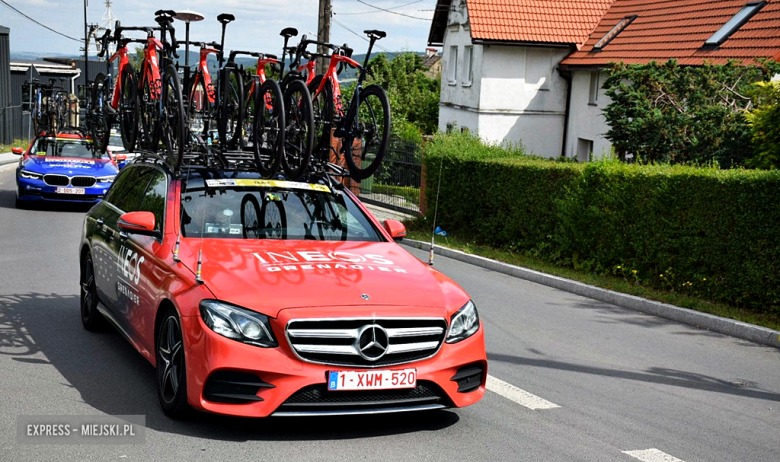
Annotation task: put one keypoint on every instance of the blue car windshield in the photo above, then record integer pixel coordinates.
(59, 147)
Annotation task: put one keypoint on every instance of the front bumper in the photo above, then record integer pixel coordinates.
(288, 386)
(38, 190)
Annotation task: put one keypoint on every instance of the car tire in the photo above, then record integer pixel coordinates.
(91, 318)
(21, 205)
(171, 370)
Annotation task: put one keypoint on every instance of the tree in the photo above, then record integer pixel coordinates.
(764, 121)
(683, 114)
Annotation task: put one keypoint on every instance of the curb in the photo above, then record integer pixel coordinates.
(694, 318)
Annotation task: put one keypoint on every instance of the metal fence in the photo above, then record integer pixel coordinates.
(396, 185)
(14, 124)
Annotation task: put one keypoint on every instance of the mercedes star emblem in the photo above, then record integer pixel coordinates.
(372, 342)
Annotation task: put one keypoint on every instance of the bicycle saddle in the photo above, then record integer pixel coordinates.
(289, 32)
(225, 18)
(375, 34)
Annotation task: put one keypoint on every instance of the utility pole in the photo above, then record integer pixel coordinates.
(323, 34)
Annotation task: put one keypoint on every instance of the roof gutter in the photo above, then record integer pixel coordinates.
(478, 41)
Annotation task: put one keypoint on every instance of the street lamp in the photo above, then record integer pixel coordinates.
(188, 17)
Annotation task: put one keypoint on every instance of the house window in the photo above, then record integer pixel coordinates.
(622, 24)
(468, 63)
(453, 71)
(593, 97)
(584, 149)
(733, 24)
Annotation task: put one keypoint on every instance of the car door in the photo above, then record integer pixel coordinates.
(121, 289)
(149, 262)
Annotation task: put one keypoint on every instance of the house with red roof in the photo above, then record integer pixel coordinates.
(531, 71)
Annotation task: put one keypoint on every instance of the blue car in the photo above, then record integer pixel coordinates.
(63, 168)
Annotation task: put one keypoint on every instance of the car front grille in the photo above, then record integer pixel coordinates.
(56, 180)
(318, 400)
(347, 341)
(83, 181)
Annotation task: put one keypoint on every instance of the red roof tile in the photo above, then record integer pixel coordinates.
(546, 21)
(677, 29)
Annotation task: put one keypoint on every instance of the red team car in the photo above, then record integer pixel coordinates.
(260, 297)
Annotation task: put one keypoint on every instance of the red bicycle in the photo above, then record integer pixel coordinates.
(107, 103)
(364, 127)
(161, 105)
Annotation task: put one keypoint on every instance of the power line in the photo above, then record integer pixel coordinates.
(358, 35)
(39, 23)
(392, 8)
(393, 12)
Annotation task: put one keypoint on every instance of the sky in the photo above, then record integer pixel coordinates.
(256, 28)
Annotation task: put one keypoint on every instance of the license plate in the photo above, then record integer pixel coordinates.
(71, 191)
(372, 380)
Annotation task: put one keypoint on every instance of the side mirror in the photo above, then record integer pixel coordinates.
(396, 229)
(138, 223)
(17, 151)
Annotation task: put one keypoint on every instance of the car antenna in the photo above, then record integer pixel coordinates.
(198, 279)
(435, 212)
(181, 217)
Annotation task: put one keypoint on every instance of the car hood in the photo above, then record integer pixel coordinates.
(269, 276)
(69, 166)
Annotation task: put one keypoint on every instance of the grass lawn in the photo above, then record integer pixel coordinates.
(615, 283)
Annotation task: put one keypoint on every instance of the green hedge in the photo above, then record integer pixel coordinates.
(712, 233)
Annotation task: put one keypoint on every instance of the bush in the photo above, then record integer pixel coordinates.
(764, 121)
(709, 232)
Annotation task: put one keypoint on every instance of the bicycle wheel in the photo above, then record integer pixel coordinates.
(231, 107)
(173, 122)
(274, 220)
(128, 109)
(248, 118)
(199, 107)
(299, 131)
(268, 129)
(322, 107)
(149, 116)
(250, 217)
(366, 134)
(99, 116)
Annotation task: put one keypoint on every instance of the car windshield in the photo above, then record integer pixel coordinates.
(267, 209)
(58, 147)
(115, 141)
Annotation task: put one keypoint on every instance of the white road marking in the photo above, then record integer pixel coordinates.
(652, 455)
(520, 396)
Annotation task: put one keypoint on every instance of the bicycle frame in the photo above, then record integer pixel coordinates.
(151, 67)
(124, 60)
(203, 67)
(310, 68)
(332, 75)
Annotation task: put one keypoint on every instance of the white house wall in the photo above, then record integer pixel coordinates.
(586, 120)
(515, 95)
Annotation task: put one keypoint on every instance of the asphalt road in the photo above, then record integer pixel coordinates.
(614, 380)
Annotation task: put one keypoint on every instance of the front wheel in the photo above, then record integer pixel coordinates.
(173, 123)
(367, 133)
(268, 131)
(128, 109)
(231, 107)
(299, 131)
(99, 115)
(171, 371)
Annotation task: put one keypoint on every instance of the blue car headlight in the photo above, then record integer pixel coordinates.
(30, 175)
(464, 323)
(106, 179)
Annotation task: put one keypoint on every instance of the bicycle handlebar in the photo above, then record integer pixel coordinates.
(104, 43)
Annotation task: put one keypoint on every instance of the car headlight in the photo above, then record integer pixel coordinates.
(106, 179)
(30, 175)
(464, 323)
(237, 323)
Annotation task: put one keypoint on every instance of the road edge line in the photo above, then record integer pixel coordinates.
(731, 327)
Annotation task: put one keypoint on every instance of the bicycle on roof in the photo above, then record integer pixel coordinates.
(111, 101)
(162, 116)
(364, 128)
